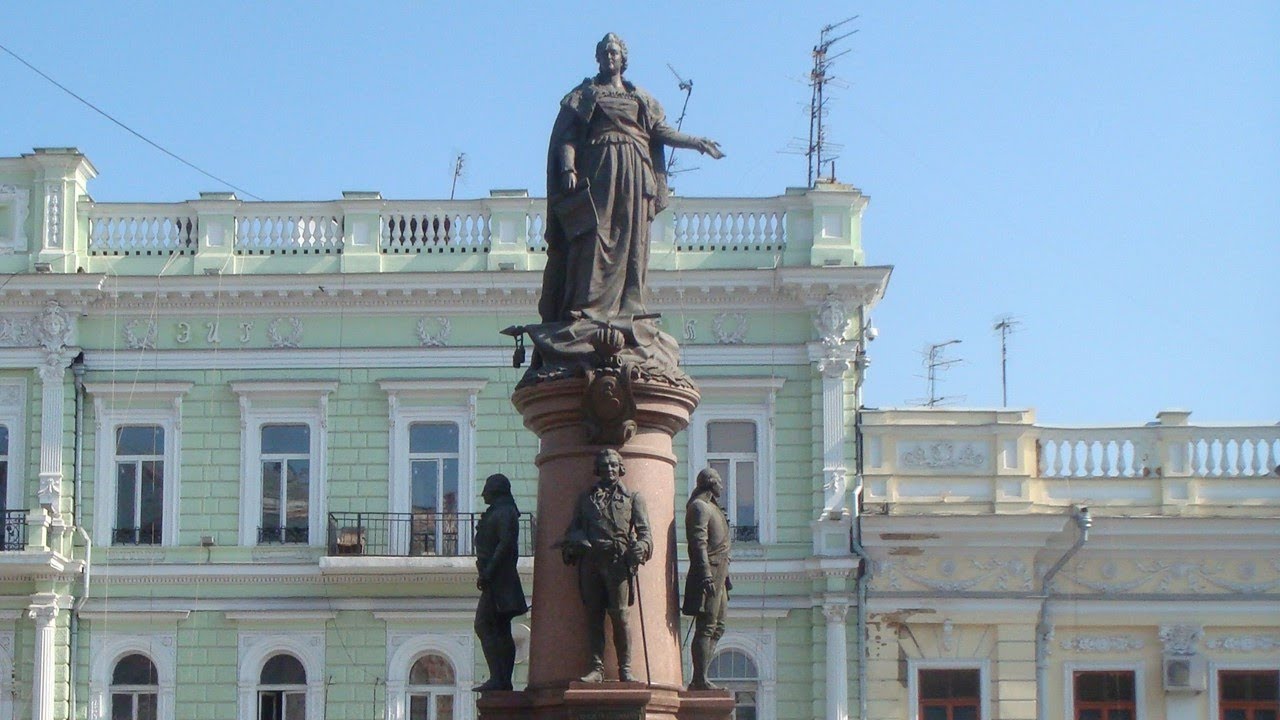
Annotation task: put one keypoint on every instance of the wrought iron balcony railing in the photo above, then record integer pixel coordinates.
(413, 534)
(15, 531)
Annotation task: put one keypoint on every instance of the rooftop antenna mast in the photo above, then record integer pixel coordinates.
(687, 87)
(818, 79)
(934, 361)
(1006, 325)
(458, 162)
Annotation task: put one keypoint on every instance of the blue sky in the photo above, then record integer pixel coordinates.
(1106, 172)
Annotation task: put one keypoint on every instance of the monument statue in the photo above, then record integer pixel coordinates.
(501, 594)
(606, 180)
(608, 538)
(706, 590)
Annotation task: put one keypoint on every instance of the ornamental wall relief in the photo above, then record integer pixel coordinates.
(729, 328)
(1102, 643)
(1117, 576)
(434, 332)
(942, 455)
(285, 332)
(954, 574)
(140, 334)
(1245, 643)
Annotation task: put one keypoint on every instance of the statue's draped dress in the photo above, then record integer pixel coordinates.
(605, 275)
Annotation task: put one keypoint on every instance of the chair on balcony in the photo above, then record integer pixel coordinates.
(349, 541)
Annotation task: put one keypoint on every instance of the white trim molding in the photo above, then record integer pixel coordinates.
(255, 647)
(7, 639)
(1139, 683)
(761, 646)
(13, 415)
(118, 404)
(265, 402)
(749, 399)
(404, 647)
(411, 401)
(983, 666)
(108, 648)
(1215, 667)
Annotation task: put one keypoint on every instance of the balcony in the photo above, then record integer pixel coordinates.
(413, 535)
(15, 531)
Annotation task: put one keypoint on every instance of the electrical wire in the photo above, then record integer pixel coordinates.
(133, 132)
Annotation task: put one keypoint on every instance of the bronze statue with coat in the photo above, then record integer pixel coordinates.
(502, 595)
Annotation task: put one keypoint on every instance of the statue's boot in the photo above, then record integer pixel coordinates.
(595, 646)
(701, 649)
(622, 643)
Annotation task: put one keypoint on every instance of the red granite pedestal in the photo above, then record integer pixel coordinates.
(558, 646)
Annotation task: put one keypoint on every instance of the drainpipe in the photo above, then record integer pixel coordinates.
(77, 497)
(864, 561)
(1083, 522)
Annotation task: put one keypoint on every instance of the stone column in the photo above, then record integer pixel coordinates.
(566, 468)
(837, 660)
(52, 396)
(42, 670)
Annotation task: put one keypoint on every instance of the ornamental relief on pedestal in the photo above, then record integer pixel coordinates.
(954, 574)
(1117, 576)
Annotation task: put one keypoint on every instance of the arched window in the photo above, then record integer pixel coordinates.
(736, 672)
(135, 689)
(431, 688)
(282, 689)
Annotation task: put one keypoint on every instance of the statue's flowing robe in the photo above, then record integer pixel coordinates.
(616, 141)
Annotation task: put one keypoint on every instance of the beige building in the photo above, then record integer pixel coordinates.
(1019, 571)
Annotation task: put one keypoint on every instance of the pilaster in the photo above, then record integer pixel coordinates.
(835, 610)
(215, 217)
(508, 233)
(44, 610)
(61, 178)
(362, 231)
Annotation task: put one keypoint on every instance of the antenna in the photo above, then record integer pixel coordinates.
(687, 87)
(457, 172)
(1006, 325)
(819, 77)
(933, 362)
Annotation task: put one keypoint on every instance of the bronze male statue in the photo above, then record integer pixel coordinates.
(608, 538)
(501, 594)
(706, 589)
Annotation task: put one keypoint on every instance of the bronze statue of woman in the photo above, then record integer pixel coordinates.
(606, 147)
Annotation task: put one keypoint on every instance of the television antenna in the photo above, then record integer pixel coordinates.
(458, 162)
(1006, 325)
(819, 77)
(687, 87)
(935, 361)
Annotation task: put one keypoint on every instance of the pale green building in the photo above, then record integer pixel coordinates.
(240, 442)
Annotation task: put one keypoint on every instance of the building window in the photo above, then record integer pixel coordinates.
(138, 443)
(733, 432)
(282, 689)
(732, 451)
(737, 673)
(284, 442)
(135, 689)
(432, 689)
(433, 475)
(1249, 694)
(285, 464)
(139, 472)
(1104, 695)
(949, 694)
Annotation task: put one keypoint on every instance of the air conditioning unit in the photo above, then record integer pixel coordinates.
(1185, 673)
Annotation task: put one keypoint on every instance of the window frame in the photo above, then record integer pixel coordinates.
(915, 665)
(405, 646)
(134, 691)
(1139, 684)
(1215, 687)
(760, 647)
(117, 405)
(13, 413)
(427, 401)
(283, 403)
(109, 648)
(256, 647)
(740, 399)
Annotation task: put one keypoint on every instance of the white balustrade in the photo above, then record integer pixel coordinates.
(294, 229)
(457, 226)
(720, 224)
(1159, 450)
(141, 230)
(535, 226)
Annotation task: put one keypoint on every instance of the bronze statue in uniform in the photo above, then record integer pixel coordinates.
(608, 539)
(501, 594)
(706, 590)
